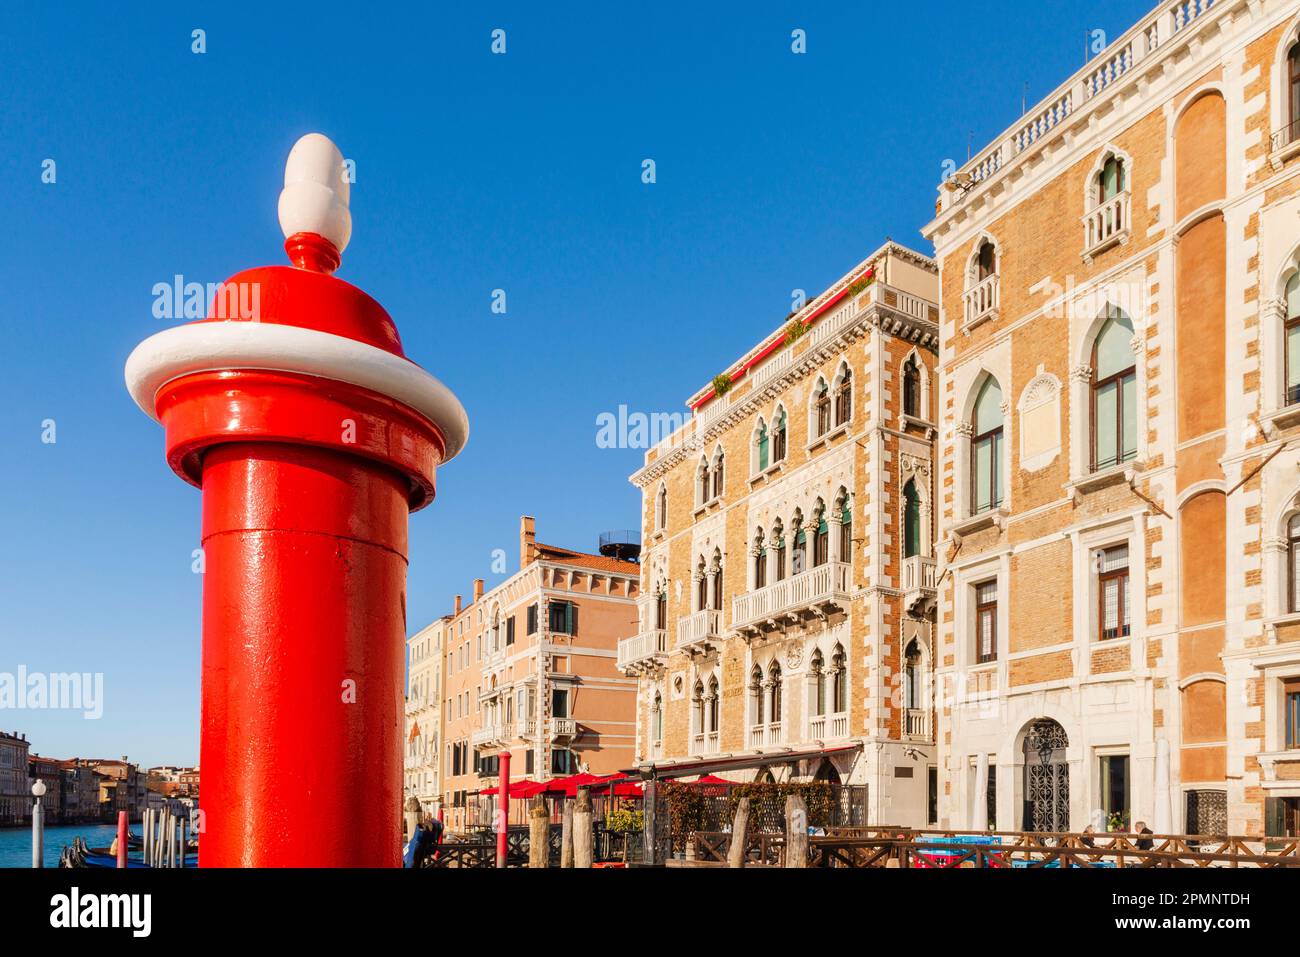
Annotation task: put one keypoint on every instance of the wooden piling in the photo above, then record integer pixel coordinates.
(796, 832)
(736, 850)
(539, 835)
(582, 832)
(566, 835)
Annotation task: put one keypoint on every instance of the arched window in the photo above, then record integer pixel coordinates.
(779, 436)
(1293, 563)
(1114, 393)
(661, 507)
(778, 545)
(1112, 180)
(986, 448)
(799, 554)
(713, 704)
(817, 675)
(661, 610)
(822, 540)
(912, 675)
(761, 447)
(844, 397)
(702, 481)
(756, 694)
(698, 702)
(1293, 93)
(846, 531)
(657, 718)
(717, 474)
(911, 520)
(911, 388)
(1292, 331)
(701, 586)
(839, 684)
(822, 408)
(760, 560)
(717, 580)
(774, 692)
(986, 263)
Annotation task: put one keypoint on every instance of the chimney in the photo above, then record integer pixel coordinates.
(478, 588)
(527, 540)
(457, 605)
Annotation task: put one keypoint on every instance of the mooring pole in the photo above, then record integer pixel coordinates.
(312, 436)
(503, 809)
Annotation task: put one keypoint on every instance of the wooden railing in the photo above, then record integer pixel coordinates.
(901, 847)
(760, 848)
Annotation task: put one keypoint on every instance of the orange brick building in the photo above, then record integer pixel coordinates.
(1119, 628)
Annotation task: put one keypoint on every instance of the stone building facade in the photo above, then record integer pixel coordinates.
(421, 759)
(1119, 474)
(529, 667)
(787, 567)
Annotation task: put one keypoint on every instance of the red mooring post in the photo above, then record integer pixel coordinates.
(121, 839)
(312, 436)
(503, 808)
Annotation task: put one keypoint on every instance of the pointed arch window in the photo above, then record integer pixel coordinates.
(912, 675)
(713, 704)
(799, 555)
(821, 541)
(844, 397)
(698, 707)
(702, 586)
(774, 692)
(756, 694)
(911, 520)
(760, 560)
(822, 408)
(717, 582)
(986, 448)
(661, 508)
(1292, 332)
(778, 546)
(1293, 92)
(661, 610)
(718, 462)
(817, 675)
(779, 437)
(1293, 562)
(657, 719)
(911, 388)
(1112, 180)
(839, 686)
(1114, 393)
(846, 532)
(703, 481)
(762, 443)
(986, 262)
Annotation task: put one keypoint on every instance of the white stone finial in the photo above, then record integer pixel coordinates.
(316, 190)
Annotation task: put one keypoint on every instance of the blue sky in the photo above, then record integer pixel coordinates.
(474, 172)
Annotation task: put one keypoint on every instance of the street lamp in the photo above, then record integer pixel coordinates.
(38, 825)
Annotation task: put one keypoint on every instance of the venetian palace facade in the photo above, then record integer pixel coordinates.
(787, 566)
(1119, 416)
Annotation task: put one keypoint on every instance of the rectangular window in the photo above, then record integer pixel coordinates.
(1112, 593)
(528, 761)
(986, 622)
(562, 761)
(1114, 783)
(510, 630)
(532, 619)
(563, 617)
(1291, 690)
(560, 703)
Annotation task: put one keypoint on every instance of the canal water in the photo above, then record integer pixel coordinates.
(16, 842)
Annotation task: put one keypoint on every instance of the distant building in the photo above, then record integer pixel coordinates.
(122, 787)
(529, 667)
(80, 793)
(15, 789)
(49, 770)
(424, 714)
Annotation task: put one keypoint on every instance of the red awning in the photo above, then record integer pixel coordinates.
(518, 789)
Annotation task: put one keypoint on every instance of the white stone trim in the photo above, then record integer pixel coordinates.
(214, 346)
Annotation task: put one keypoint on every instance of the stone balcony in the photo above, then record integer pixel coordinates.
(492, 734)
(700, 632)
(828, 727)
(563, 728)
(812, 593)
(767, 734)
(705, 742)
(918, 585)
(916, 723)
(643, 653)
(981, 302)
(1106, 225)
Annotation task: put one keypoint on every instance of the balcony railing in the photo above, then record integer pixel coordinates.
(1107, 223)
(916, 723)
(809, 592)
(981, 300)
(828, 727)
(642, 651)
(563, 728)
(696, 632)
(704, 742)
(918, 583)
(1285, 136)
(491, 734)
(761, 735)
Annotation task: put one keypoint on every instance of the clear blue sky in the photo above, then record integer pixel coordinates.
(474, 172)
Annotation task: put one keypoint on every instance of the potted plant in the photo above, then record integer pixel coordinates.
(721, 385)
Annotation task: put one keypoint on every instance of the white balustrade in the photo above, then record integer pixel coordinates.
(981, 299)
(1107, 222)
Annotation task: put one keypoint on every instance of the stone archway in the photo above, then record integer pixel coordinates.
(1047, 777)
